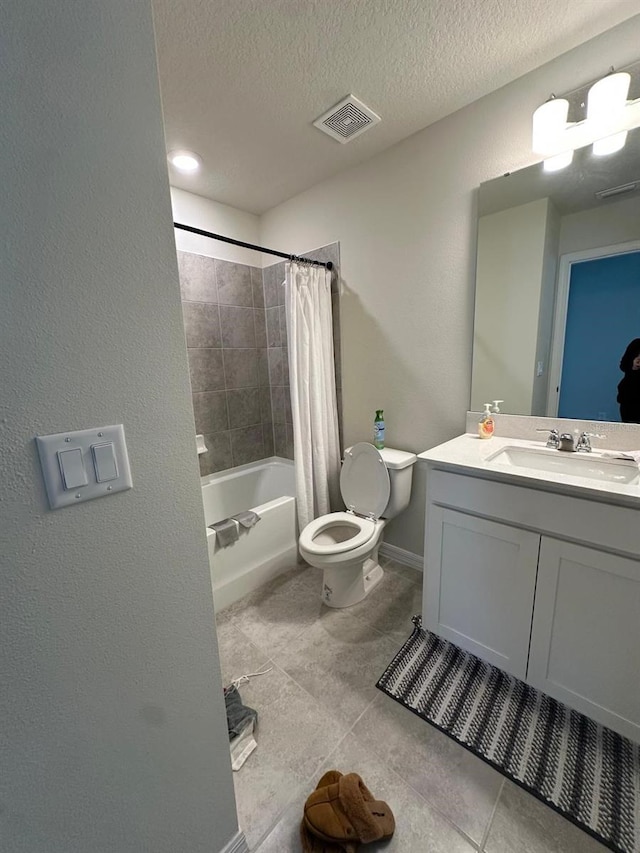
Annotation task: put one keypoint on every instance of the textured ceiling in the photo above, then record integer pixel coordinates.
(243, 80)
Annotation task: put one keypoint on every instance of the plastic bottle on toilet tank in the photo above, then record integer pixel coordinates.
(378, 429)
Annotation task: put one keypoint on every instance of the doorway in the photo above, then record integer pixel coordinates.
(597, 314)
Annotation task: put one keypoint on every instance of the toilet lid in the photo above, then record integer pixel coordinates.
(364, 480)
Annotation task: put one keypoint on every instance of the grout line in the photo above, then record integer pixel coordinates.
(308, 785)
(485, 837)
(248, 639)
(350, 731)
(424, 799)
(360, 716)
(255, 335)
(353, 616)
(224, 372)
(435, 808)
(310, 781)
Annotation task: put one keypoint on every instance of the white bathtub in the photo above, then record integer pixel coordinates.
(268, 488)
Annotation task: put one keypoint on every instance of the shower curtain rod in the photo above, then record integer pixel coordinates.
(192, 230)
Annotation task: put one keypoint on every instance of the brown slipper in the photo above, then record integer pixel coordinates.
(329, 778)
(310, 842)
(345, 813)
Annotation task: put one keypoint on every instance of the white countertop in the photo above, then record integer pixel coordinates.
(470, 454)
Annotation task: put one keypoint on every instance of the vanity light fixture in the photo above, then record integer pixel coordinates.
(609, 116)
(185, 161)
(558, 161)
(606, 103)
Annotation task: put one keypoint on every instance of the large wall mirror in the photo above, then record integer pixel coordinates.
(558, 284)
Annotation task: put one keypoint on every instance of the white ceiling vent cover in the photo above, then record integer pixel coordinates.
(347, 120)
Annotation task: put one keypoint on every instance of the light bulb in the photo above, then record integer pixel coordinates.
(608, 97)
(549, 121)
(185, 161)
(610, 144)
(560, 161)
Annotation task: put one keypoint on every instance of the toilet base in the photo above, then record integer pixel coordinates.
(344, 586)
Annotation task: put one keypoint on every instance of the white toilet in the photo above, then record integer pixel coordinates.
(375, 486)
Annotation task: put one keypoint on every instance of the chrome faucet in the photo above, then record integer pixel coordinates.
(568, 443)
(584, 443)
(553, 440)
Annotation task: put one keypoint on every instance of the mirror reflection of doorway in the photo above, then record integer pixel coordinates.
(602, 316)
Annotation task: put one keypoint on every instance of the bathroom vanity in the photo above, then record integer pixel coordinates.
(532, 562)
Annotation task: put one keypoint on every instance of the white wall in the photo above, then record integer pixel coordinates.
(511, 251)
(539, 400)
(113, 734)
(406, 225)
(209, 215)
(606, 225)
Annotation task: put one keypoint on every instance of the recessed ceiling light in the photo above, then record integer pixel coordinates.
(185, 161)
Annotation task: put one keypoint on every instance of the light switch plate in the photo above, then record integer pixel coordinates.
(50, 446)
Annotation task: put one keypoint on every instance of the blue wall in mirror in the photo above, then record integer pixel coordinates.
(603, 316)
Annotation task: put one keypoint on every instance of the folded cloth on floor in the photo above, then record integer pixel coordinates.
(242, 746)
(226, 532)
(247, 518)
(238, 715)
(241, 721)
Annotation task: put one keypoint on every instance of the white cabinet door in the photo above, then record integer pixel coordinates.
(585, 642)
(479, 586)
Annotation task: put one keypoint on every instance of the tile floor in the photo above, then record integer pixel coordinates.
(319, 709)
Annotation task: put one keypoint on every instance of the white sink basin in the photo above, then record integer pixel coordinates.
(589, 466)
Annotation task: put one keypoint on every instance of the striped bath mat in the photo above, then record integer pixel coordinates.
(586, 772)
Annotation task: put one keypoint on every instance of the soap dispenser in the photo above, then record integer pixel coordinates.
(486, 424)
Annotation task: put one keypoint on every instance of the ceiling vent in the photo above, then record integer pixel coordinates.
(347, 120)
(623, 188)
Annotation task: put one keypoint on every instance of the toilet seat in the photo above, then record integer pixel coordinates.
(364, 527)
(365, 488)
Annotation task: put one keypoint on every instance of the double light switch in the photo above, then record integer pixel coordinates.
(84, 464)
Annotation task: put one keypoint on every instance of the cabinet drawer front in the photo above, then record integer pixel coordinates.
(613, 528)
(586, 633)
(479, 586)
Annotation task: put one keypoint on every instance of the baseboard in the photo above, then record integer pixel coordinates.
(238, 844)
(407, 558)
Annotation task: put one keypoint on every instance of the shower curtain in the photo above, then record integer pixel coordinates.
(313, 390)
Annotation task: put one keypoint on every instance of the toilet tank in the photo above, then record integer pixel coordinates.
(399, 464)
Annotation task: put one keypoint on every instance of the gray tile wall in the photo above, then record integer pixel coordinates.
(278, 364)
(236, 332)
(224, 319)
